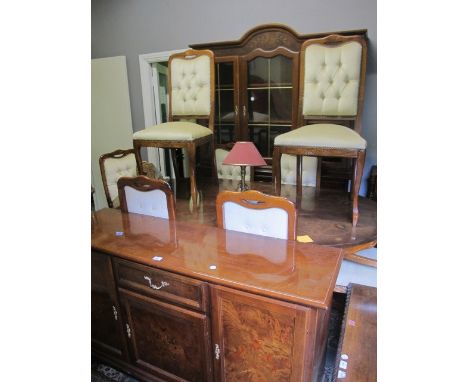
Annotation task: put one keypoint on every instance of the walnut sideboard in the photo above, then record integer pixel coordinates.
(177, 301)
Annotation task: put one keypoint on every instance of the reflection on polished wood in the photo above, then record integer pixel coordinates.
(296, 272)
(321, 215)
(357, 353)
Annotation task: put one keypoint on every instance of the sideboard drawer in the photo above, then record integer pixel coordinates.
(168, 286)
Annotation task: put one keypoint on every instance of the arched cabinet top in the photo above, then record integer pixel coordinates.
(268, 37)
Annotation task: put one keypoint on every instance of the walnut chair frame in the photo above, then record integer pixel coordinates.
(144, 184)
(263, 201)
(352, 121)
(117, 154)
(190, 146)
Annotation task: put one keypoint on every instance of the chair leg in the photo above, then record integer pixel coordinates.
(214, 172)
(358, 169)
(277, 170)
(191, 151)
(298, 176)
(175, 165)
(139, 161)
(318, 174)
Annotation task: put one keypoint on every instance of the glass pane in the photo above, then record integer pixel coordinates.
(259, 136)
(258, 105)
(258, 72)
(224, 133)
(225, 74)
(226, 113)
(280, 105)
(280, 71)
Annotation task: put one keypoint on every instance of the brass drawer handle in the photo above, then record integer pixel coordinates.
(217, 351)
(129, 332)
(115, 312)
(163, 283)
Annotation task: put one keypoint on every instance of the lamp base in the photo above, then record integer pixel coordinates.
(243, 186)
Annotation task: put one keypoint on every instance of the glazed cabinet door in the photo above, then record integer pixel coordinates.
(168, 341)
(106, 322)
(269, 96)
(259, 339)
(227, 100)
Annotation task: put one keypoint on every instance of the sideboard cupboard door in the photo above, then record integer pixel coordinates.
(260, 339)
(165, 340)
(106, 323)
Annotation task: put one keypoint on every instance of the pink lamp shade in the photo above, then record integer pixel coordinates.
(244, 154)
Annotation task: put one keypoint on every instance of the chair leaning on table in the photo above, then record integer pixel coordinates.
(116, 164)
(331, 97)
(113, 166)
(146, 196)
(256, 213)
(191, 98)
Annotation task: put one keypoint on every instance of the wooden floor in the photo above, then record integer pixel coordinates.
(325, 216)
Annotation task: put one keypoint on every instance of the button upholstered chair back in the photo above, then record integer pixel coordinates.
(256, 213)
(146, 196)
(332, 79)
(191, 86)
(113, 166)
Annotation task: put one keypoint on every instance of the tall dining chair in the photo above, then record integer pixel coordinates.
(256, 213)
(191, 99)
(146, 196)
(331, 96)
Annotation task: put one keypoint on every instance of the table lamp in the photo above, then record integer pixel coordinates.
(244, 154)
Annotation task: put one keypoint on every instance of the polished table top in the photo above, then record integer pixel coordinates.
(287, 270)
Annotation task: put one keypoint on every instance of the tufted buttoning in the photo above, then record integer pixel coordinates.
(322, 96)
(330, 81)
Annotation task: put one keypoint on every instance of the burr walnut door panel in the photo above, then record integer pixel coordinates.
(106, 325)
(259, 339)
(168, 341)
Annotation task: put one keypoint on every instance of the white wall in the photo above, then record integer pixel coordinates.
(111, 119)
(122, 27)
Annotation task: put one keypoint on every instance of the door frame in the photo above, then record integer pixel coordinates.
(152, 114)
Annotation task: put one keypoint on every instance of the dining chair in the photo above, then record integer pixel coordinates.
(256, 213)
(113, 166)
(331, 97)
(120, 163)
(191, 100)
(146, 196)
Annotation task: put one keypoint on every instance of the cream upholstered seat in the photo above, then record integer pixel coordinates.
(191, 97)
(173, 131)
(146, 196)
(324, 135)
(256, 213)
(331, 94)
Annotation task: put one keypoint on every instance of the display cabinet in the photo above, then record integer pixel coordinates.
(257, 89)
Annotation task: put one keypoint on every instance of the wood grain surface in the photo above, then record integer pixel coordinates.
(283, 269)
